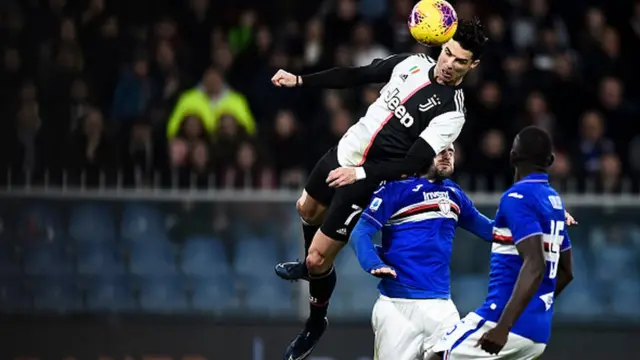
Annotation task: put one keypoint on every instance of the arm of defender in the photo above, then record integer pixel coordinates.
(473, 220)
(531, 274)
(380, 209)
(565, 272)
(565, 264)
(526, 233)
(442, 131)
(378, 71)
(362, 244)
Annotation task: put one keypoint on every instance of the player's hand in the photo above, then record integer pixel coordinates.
(569, 219)
(384, 272)
(285, 79)
(493, 340)
(341, 177)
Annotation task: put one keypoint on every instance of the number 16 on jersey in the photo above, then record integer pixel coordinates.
(555, 242)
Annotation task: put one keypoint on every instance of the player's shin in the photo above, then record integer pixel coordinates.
(320, 290)
(308, 232)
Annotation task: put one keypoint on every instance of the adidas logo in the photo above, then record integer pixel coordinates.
(342, 231)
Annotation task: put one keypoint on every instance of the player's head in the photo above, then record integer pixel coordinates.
(532, 150)
(461, 53)
(443, 165)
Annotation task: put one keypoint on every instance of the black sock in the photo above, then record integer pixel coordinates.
(308, 231)
(320, 290)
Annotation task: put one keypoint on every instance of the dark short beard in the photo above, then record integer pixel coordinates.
(435, 175)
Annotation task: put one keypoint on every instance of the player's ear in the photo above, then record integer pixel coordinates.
(551, 159)
(475, 64)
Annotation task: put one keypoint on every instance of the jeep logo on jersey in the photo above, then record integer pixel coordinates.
(394, 103)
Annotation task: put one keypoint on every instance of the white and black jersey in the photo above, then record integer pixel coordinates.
(411, 106)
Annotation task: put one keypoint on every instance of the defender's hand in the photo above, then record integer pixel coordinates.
(569, 219)
(341, 177)
(285, 79)
(384, 272)
(493, 340)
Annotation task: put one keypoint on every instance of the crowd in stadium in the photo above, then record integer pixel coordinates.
(97, 87)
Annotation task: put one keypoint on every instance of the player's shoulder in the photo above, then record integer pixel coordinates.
(530, 193)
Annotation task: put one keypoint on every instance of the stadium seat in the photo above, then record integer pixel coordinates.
(47, 259)
(273, 298)
(347, 265)
(255, 257)
(469, 291)
(110, 294)
(213, 294)
(92, 223)
(9, 261)
(354, 297)
(625, 300)
(579, 300)
(40, 222)
(142, 220)
(99, 258)
(204, 256)
(13, 296)
(57, 294)
(163, 294)
(613, 262)
(152, 258)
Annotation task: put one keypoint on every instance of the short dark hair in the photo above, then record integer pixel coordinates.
(534, 147)
(471, 36)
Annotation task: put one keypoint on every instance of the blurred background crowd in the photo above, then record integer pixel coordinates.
(177, 93)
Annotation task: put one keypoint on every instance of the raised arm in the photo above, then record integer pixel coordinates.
(379, 71)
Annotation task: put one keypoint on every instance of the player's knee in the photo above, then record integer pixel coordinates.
(316, 262)
(310, 211)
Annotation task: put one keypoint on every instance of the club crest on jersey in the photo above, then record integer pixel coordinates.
(432, 102)
(444, 205)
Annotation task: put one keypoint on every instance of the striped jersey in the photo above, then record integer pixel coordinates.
(408, 103)
(418, 219)
(530, 207)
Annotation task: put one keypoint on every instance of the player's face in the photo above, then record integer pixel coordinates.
(454, 62)
(444, 163)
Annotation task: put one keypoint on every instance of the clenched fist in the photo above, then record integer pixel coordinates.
(286, 79)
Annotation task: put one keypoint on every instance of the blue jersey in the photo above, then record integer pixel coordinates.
(418, 219)
(530, 207)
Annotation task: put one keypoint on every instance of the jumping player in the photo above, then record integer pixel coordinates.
(420, 111)
(530, 265)
(418, 218)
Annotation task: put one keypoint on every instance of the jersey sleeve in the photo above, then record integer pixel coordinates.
(520, 215)
(378, 71)
(446, 122)
(472, 220)
(382, 206)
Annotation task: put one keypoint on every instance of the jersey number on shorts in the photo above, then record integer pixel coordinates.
(554, 247)
(356, 211)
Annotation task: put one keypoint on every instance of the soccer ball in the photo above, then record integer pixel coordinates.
(433, 22)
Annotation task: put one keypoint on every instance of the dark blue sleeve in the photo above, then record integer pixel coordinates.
(362, 244)
(472, 220)
(382, 206)
(520, 215)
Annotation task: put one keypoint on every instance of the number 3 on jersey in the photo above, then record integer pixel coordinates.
(554, 247)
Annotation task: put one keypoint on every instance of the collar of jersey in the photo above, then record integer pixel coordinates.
(535, 178)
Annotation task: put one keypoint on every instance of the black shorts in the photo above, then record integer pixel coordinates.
(345, 204)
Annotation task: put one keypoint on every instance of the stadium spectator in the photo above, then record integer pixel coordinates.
(209, 101)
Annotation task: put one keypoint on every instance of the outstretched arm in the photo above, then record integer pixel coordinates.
(473, 220)
(378, 71)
